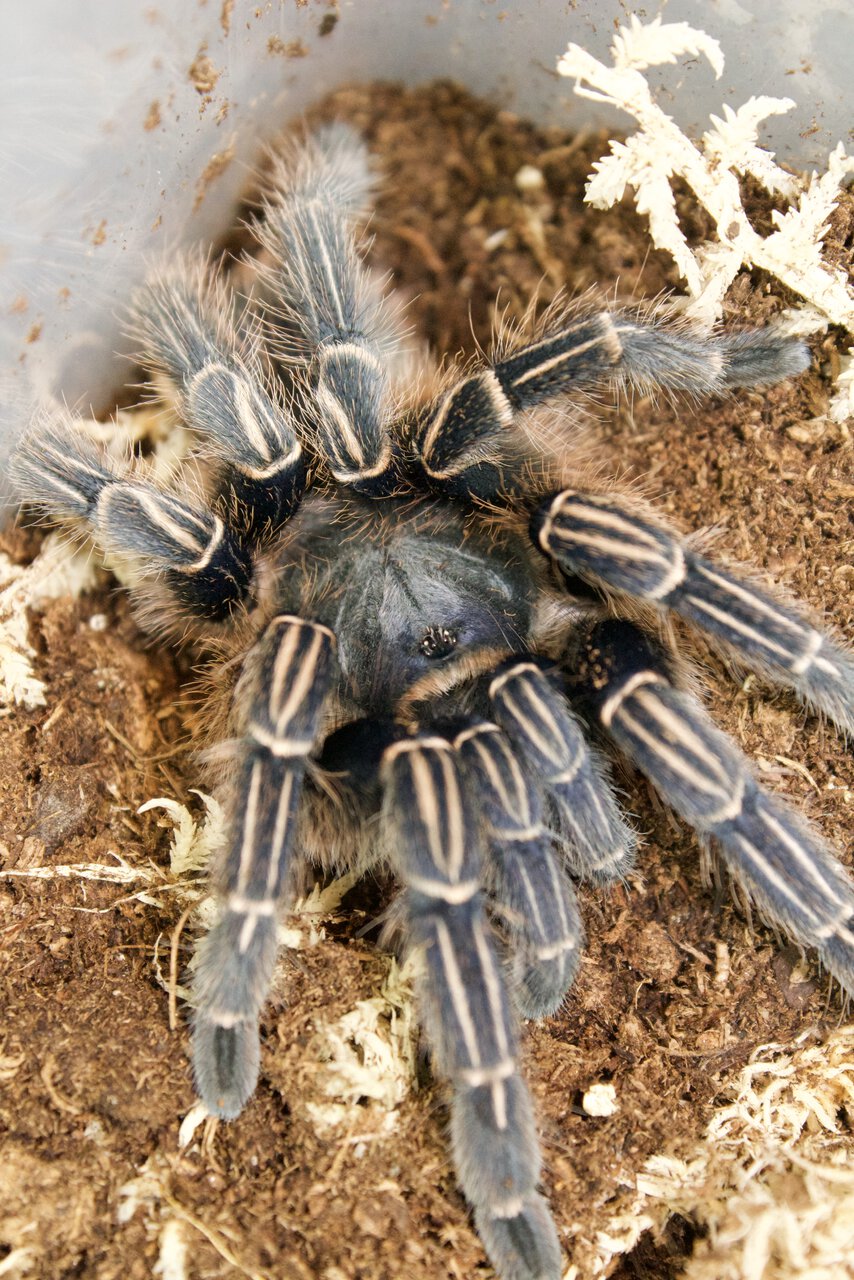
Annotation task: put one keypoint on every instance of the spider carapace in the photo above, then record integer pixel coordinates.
(433, 614)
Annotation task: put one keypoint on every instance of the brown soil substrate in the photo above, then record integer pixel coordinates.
(94, 1081)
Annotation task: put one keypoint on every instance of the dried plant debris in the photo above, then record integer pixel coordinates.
(658, 152)
(771, 1185)
(194, 842)
(58, 571)
(665, 1137)
(369, 1057)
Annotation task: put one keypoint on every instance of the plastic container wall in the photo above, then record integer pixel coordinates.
(130, 130)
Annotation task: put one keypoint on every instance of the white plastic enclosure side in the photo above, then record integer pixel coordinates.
(128, 130)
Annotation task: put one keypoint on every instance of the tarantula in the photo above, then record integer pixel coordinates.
(427, 611)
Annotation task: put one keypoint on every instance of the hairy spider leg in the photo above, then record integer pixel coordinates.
(780, 859)
(610, 546)
(596, 842)
(464, 443)
(526, 879)
(524, 875)
(225, 393)
(199, 564)
(286, 678)
(332, 311)
(432, 830)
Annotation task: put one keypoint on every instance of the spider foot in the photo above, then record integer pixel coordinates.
(522, 1243)
(234, 966)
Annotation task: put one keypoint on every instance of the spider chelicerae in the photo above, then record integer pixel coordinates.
(429, 622)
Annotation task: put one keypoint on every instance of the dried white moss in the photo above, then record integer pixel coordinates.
(193, 843)
(20, 1262)
(368, 1058)
(58, 570)
(172, 1259)
(659, 151)
(842, 404)
(771, 1185)
(600, 1100)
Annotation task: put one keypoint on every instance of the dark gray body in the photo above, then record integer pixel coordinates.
(385, 576)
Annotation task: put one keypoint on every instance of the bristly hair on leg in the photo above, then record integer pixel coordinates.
(649, 346)
(319, 289)
(327, 313)
(612, 544)
(214, 363)
(60, 471)
(333, 164)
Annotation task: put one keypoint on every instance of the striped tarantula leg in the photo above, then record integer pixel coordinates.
(281, 695)
(782, 861)
(225, 393)
(331, 310)
(617, 346)
(431, 824)
(530, 886)
(465, 443)
(59, 470)
(204, 568)
(547, 736)
(606, 544)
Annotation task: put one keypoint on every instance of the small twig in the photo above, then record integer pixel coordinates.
(420, 242)
(801, 769)
(53, 717)
(173, 966)
(215, 1239)
(134, 751)
(692, 951)
(62, 1104)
